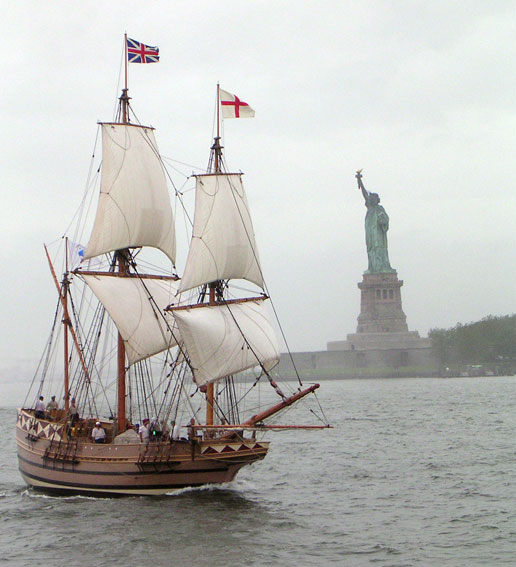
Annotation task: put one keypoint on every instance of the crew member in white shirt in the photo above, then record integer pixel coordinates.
(175, 431)
(40, 408)
(143, 432)
(98, 434)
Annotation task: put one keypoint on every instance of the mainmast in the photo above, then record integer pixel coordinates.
(122, 264)
(121, 381)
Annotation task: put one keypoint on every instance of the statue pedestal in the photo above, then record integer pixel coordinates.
(382, 324)
(380, 304)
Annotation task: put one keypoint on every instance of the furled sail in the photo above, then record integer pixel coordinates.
(227, 338)
(134, 206)
(136, 306)
(223, 244)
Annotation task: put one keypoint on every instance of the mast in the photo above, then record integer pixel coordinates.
(210, 388)
(66, 322)
(215, 159)
(121, 381)
(65, 311)
(121, 256)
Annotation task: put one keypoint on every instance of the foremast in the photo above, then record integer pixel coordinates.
(216, 288)
(214, 166)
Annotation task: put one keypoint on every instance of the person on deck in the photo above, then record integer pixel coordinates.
(73, 411)
(40, 408)
(143, 432)
(165, 431)
(98, 434)
(192, 434)
(175, 430)
(155, 429)
(52, 404)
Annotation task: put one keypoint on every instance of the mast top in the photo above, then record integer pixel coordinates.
(215, 162)
(123, 110)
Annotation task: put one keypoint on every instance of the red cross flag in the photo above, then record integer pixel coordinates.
(233, 107)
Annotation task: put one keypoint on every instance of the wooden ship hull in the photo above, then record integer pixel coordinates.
(50, 461)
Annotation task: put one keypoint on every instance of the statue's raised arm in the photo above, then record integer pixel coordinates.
(365, 193)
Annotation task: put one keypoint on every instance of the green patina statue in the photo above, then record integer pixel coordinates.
(376, 227)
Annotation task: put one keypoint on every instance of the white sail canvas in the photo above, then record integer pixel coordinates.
(223, 244)
(136, 307)
(225, 339)
(134, 206)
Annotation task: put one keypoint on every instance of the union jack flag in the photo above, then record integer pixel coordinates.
(140, 53)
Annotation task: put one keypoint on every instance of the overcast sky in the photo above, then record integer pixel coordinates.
(421, 95)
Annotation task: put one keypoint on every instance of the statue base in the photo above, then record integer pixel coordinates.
(382, 324)
(380, 304)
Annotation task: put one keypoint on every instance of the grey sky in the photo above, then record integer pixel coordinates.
(419, 94)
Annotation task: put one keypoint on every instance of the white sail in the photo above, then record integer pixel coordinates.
(223, 244)
(136, 307)
(225, 339)
(134, 206)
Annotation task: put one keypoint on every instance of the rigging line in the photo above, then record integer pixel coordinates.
(179, 195)
(117, 100)
(78, 377)
(44, 360)
(99, 315)
(139, 376)
(221, 412)
(95, 327)
(172, 380)
(181, 163)
(250, 237)
(245, 394)
(231, 395)
(172, 395)
(147, 375)
(266, 289)
(155, 388)
(321, 408)
(264, 371)
(154, 149)
(318, 417)
(143, 377)
(233, 407)
(190, 405)
(86, 207)
(87, 188)
(305, 402)
(157, 310)
(139, 397)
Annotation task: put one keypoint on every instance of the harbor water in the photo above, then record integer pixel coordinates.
(414, 472)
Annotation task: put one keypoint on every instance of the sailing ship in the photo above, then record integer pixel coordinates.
(138, 342)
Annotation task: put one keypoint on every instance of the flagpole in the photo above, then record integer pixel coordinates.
(125, 51)
(124, 105)
(218, 110)
(218, 130)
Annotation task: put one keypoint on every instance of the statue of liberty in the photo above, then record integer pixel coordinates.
(376, 227)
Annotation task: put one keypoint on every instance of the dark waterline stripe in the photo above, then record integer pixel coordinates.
(107, 487)
(139, 473)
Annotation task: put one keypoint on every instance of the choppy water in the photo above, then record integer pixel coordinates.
(415, 472)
